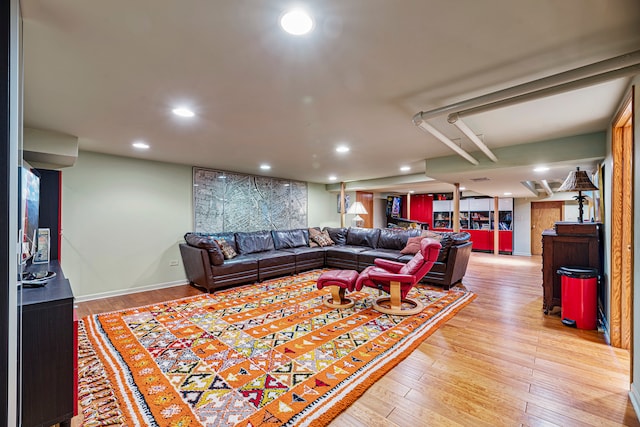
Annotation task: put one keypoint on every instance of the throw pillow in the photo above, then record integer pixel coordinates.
(313, 232)
(323, 239)
(226, 249)
(413, 246)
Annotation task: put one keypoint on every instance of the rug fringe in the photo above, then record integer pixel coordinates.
(95, 393)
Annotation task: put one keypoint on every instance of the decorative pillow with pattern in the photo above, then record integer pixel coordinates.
(323, 239)
(226, 249)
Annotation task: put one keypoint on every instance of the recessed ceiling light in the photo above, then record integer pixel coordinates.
(463, 188)
(541, 169)
(296, 22)
(342, 149)
(333, 178)
(183, 112)
(265, 167)
(405, 168)
(411, 191)
(141, 145)
(507, 193)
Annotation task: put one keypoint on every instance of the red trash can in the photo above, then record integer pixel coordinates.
(579, 296)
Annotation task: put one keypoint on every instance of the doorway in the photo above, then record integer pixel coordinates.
(366, 199)
(543, 216)
(620, 316)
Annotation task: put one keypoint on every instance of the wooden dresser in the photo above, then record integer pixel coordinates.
(569, 244)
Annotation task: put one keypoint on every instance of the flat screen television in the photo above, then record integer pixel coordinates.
(30, 211)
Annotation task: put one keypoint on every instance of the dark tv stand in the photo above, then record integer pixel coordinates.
(48, 351)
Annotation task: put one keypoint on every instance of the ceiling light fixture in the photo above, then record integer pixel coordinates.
(541, 169)
(405, 168)
(333, 178)
(265, 167)
(296, 22)
(183, 112)
(507, 193)
(342, 149)
(141, 145)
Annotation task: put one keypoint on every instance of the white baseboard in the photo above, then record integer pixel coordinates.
(634, 395)
(131, 291)
(521, 253)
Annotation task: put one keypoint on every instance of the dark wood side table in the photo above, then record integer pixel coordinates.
(48, 352)
(568, 244)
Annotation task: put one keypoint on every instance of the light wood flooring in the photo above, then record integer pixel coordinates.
(498, 362)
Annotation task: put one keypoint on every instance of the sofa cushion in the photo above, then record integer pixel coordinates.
(368, 257)
(393, 238)
(283, 239)
(226, 249)
(256, 241)
(205, 241)
(363, 237)
(323, 239)
(338, 235)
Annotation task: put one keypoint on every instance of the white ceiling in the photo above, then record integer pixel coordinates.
(109, 72)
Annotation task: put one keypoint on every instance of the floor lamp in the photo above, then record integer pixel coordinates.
(358, 209)
(578, 181)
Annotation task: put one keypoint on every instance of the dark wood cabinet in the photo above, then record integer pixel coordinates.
(568, 244)
(48, 352)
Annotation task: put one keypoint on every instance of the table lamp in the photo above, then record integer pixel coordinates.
(357, 208)
(578, 181)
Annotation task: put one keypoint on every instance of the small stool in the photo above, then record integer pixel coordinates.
(340, 281)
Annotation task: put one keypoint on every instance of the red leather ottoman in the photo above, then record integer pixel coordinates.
(339, 281)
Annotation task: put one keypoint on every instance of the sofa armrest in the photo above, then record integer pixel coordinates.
(196, 265)
(457, 262)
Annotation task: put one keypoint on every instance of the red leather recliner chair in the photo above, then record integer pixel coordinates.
(397, 279)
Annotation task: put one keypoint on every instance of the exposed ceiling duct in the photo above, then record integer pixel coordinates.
(547, 188)
(435, 132)
(457, 122)
(599, 72)
(623, 65)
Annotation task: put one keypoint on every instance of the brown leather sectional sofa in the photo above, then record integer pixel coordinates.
(266, 254)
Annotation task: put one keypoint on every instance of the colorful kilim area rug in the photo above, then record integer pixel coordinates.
(266, 354)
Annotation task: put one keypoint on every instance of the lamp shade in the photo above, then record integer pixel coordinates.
(577, 181)
(357, 208)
